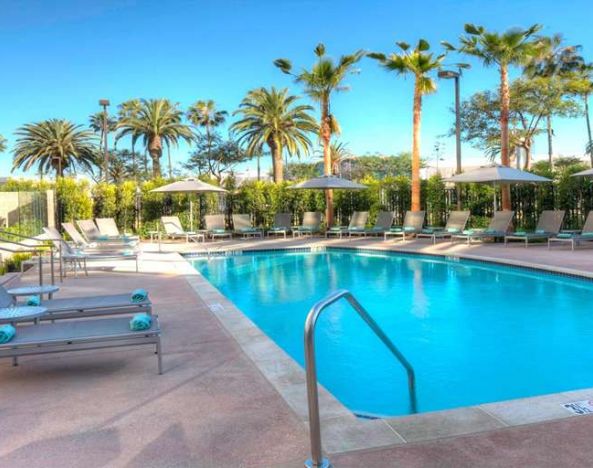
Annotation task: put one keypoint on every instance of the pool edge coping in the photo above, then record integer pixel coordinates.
(342, 431)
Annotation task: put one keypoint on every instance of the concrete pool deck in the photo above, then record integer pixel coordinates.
(215, 407)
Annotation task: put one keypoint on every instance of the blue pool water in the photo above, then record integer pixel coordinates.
(474, 332)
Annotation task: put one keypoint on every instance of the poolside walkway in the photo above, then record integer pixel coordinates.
(212, 407)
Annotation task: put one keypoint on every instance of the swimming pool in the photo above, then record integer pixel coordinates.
(474, 332)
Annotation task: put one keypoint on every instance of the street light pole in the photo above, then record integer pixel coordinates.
(105, 103)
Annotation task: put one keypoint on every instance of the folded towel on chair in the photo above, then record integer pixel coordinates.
(33, 301)
(140, 322)
(7, 333)
(139, 295)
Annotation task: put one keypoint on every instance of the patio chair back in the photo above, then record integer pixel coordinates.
(384, 219)
(73, 233)
(414, 220)
(52, 233)
(107, 227)
(550, 221)
(5, 298)
(457, 221)
(588, 226)
(215, 221)
(89, 229)
(283, 220)
(241, 221)
(358, 220)
(172, 225)
(312, 219)
(501, 221)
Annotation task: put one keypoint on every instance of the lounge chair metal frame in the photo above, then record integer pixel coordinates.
(311, 225)
(216, 227)
(498, 228)
(174, 230)
(242, 226)
(282, 225)
(382, 224)
(548, 225)
(80, 335)
(455, 224)
(358, 221)
(575, 238)
(412, 225)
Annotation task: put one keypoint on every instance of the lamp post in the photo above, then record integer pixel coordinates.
(455, 75)
(105, 103)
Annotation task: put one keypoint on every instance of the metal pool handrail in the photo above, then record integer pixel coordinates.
(317, 459)
(39, 249)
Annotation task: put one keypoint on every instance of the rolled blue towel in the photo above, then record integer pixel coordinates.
(564, 235)
(428, 231)
(7, 333)
(409, 229)
(520, 233)
(452, 230)
(140, 322)
(139, 295)
(102, 237)
(218, 231)
(468, 232)
(33, 301)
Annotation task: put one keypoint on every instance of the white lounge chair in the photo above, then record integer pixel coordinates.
(455, 225)
(311, 224)
(498, 228)
(174, 230)
(242, 226)
(358, 221)
(216, 226)
(548, 226)
(282, 225)
(413, 222)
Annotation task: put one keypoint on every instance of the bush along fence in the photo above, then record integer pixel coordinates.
(136, 209)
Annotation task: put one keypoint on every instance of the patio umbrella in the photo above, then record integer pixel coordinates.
(585, 173)
(189, 186)
(497, 175)
(328, 182)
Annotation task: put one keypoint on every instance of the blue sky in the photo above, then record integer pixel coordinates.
(60, 57)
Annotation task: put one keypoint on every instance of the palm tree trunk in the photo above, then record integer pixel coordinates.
(527, 148)
(549, 131)
(327, 161)
(170, 165)
(277, 168)
(134, 165)
(590, 140)
(504, 132)
(416, 148)
(155, 150)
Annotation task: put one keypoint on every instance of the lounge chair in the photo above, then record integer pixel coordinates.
(80, 335)
(174, 230)
(575, 238)
(108, 227)
(548, 226)
(86, 306)
(311, 224)
(455, 225)
(89, 230)
(382, 225)
(498, 228)
(242, 226)
(89, 247)
(282, 224)
(358, 221)
(216, 226)
(413, 222)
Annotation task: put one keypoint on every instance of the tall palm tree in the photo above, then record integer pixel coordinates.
(583, 86)
(204, 114)
(54, 144)
(324, 78)
(272, 117)
(420, 63)
(2, 144)
(158, 122)
(513, 47)
(128, 109)
(557, 63)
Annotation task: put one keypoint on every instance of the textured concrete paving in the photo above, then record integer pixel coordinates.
(212, 407)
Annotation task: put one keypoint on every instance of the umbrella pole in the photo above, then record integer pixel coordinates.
(191, 214)
(495, 197)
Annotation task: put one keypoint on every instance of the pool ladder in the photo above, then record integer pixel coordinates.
(317, 459)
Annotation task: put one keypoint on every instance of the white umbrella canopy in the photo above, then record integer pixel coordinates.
(497, 175)
(585, 173)
(189, 186)
(327, 183)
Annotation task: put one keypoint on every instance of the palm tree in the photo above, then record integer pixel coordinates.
(204, 114)
(420, 63)
(127, 109)
(513, 47)
(556, 63)
(2, 144)
(320, 82)
(272, 117)
(54, 144)
(158, 122)
(583, 87)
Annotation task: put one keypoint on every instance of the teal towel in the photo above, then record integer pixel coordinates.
(33, 301)
(337, 228)
(564, 235)
(409, 229)
(103, 238)
(520, 233)
(452, 230)
(428, 231)
(356, 228)
(468, 232)
(7, 333)
(139, 295)
(218, 231)
(540, 231)
(587, 234)
(395, 229)
(140, 322)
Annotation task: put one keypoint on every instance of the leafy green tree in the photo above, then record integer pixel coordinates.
(320, 82)
(2, 144)
(56, 145)
(421, 64)
(274, 118)
(513, 47)
(215, 157)
(582, 86)
(159, 123)
(205, 115)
